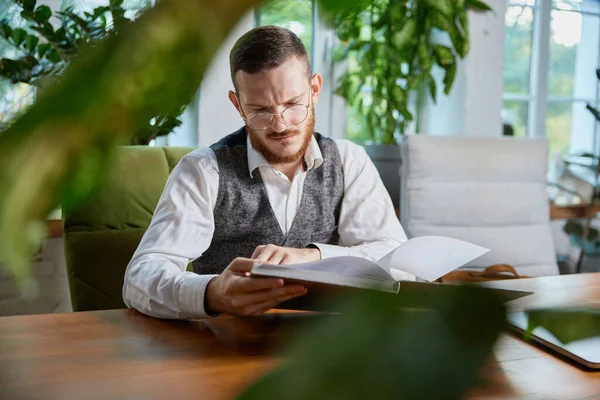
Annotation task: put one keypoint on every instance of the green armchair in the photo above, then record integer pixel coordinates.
(102, 235)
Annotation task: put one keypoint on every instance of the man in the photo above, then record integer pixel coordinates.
(274, 191)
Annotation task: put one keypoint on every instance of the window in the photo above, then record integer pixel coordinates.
(14, 98)
(295, 15)
(132, 7)
(551, 55)
(301, 17)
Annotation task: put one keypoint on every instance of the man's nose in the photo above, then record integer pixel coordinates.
(278, 124)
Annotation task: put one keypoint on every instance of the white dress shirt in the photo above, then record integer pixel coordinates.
(156, 280)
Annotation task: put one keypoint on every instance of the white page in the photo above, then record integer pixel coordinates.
(345, 265)
(398, 275)
(430, 257)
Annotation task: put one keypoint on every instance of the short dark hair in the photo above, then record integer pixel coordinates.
(263, 48)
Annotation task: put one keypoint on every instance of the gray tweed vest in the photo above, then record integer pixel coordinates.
(243, 215)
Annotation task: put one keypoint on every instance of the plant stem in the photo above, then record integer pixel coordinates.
(390, 125)
(588, 221)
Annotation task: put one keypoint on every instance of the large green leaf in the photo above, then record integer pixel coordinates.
(566, 325)
(18, 36)
(440, 21)
(478, 5)
(42, 14)
(426, 59)
(57, 149)
(31, 42)
(8, 67)
(28, 5)
(432, 88)
(449, 78)
(331, 10)
(463, 19)
(406, 35)
(573, 227)
(42, 49)
(45, 30)
(372, 350)
(5, 30)
(445, 7)
(444, 55)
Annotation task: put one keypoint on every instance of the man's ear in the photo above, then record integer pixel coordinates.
(316, 83)
(234, 100)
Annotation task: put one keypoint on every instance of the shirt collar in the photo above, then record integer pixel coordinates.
(312, 159)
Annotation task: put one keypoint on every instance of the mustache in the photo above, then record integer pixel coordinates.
(287, 132)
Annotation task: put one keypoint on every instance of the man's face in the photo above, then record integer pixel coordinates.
(273, 91)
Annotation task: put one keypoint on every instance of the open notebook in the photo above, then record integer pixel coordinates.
(424, 257)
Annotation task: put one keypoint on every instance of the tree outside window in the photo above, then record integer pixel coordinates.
(295, 15)
(14, 98)
(517, 67)
(81, 6)
(551, 54)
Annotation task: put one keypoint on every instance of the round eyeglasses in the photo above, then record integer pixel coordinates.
(292, 115)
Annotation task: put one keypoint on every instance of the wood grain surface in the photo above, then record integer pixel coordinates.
(121, 354)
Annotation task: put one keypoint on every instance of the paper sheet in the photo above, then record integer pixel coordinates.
(430, 257)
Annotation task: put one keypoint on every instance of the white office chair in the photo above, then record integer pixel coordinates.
(488, 191)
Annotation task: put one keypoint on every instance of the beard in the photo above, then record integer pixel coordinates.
(306, 133)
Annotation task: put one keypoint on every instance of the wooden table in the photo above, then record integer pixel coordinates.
(564, 212)
(122, 354)
(522, 371)
(573, 211)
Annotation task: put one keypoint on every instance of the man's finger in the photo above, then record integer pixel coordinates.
(253, 284)
(241, 265)
(276, 257)
(265, 254)
(265, 295)
(257, 251)
(287, 260)
(260, 308)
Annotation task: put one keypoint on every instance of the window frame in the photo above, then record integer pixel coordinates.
(538, 99)
(313, 32)
(330, 108)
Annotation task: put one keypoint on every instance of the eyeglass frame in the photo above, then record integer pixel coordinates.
(272, 115)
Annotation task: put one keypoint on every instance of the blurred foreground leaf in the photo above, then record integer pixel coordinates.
(58, 150)
(567, 325)
(373, 350)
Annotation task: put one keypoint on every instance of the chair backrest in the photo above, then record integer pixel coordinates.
(102, 235)
(488, 191)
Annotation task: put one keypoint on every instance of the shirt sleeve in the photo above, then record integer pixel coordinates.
(156, 281)
(368, 225)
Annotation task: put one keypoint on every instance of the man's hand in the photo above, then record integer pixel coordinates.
(285, 255)
(235, 292)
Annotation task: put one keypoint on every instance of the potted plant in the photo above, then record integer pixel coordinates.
(582, 234)
(390, 48)
(43, 51)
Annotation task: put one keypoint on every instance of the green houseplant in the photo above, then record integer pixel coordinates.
(390, 48)
(582, 234)
(44, 48)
